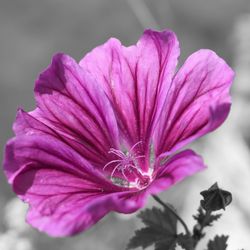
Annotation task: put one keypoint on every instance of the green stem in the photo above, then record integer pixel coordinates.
(173, 212)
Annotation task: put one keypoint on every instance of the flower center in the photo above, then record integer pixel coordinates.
(125, 169)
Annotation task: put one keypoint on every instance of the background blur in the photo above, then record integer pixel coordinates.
(31, 31)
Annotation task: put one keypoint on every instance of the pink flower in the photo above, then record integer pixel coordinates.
(106, 131)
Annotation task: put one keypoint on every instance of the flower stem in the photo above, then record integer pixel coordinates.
(198, 229)
(173, 212)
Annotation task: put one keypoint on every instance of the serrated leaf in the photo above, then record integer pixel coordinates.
(185, 241)
(160, 230)
(212, 218)
(218, 243)
(168, 244)
(144, 238)
(161, 220)
(202, 219)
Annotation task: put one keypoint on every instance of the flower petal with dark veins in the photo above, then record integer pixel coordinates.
(197, 102)
(177, 168)
(70, 102)
(135, 79)
(65, 193)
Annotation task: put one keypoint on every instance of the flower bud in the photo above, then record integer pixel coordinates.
(215, 198)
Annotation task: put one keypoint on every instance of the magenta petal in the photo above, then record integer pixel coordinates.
(197, 102)
(135, 79)
(45, 151)
(65, 193)
(63, 204)
(28, 124)
(78, 213)
(177, 168)
(25, 124)
(70, 102)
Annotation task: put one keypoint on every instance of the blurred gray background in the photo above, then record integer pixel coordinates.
(31, 31)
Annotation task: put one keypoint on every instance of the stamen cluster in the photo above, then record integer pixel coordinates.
(126, 166)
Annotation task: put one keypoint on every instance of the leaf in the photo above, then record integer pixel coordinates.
(185, 241)
(168, 244)
(160, 230)
(200, 216)
(155, 217)
(212, 218)
(144, 238)
(203, 220)
(218, 243)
